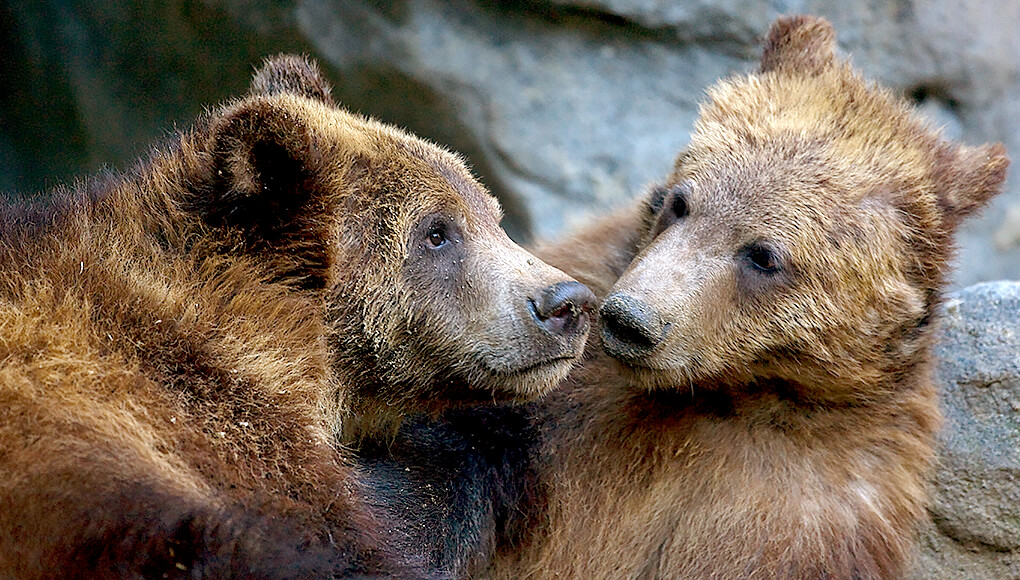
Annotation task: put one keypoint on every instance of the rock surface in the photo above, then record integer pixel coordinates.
(565, 107)
(974, 530)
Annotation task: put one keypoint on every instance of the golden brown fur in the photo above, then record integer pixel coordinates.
(179, 345)
(768, 409)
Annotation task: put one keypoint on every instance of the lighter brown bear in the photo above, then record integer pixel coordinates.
(179, 344)
(764, 405)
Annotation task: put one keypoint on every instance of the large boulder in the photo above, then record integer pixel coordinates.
(573, 105)
(974, 529)
(565, 107)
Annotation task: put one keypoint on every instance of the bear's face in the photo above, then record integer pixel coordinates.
(801, 237)
(749, 263)
(452, 310)
(428, 303)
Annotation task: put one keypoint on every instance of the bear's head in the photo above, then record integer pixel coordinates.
(803, 236)
(428, 303)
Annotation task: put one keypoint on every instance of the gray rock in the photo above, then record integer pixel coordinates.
(564, 107)
(571, 115)
(577, 104)
(974, 531)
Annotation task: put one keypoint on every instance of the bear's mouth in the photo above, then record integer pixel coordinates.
(541, 364)
(641, 366)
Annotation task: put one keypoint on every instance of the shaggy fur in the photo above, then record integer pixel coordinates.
(180, 344)
(457, 483)
(767, 410)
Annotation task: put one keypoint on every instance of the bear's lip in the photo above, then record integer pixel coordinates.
(640, 364)
(539, 364)
(532, 366)
(628, 353)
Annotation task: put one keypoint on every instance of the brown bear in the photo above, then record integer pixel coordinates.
(180, 343)
(766, 408)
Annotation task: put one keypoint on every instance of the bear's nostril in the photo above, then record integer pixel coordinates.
(560, 308)
(565, 310)
(630, 328)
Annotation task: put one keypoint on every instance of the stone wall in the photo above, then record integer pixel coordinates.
(565, 107)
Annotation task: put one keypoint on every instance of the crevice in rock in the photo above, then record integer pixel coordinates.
(602, 24)
(934, 91)
(969, 542)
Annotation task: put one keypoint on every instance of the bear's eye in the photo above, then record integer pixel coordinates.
(437, 237)
(763, 258)
(679, 205)
(672, 202)
(657, 199)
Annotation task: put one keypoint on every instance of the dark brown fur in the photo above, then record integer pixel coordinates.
(768, 409)
(181, 344)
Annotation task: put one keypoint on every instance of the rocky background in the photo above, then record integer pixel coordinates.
(565, 108)
(974, 530)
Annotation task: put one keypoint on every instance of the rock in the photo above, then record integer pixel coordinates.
(564, 107)
(974, 531)
(568, 112)
(575, 105)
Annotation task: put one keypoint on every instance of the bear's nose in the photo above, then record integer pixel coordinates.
(564, 307)
(630, 327)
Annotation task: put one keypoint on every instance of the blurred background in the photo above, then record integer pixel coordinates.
(564, 107)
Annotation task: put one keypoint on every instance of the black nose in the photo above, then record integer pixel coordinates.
(564, 308)
(630, 327)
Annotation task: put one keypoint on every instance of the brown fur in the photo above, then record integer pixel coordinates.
(773, 414)
(180, 344)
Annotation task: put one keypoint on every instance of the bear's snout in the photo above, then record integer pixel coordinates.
(564, 308)
(630, 327)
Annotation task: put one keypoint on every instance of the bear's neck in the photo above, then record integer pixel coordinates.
(682, 470)
(370, 408)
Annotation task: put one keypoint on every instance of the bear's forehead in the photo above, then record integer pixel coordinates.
(798, 199)
(463, 190)
(415, 173)
(836, 117)
(768, 174)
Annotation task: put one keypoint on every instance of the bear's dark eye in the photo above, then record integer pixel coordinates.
(672, 203)
(657, 199)
(437, 237)
(675, 196)
(763, 258)
(679, 205)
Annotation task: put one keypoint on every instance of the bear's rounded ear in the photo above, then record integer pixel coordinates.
(265, 158)
(968, 177)
(288, 73)
(804, 44)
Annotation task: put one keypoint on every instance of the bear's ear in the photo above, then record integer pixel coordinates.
(968, 177)
(287, 73)
(265, 161)
(804, 44)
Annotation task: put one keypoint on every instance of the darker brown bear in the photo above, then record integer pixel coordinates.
(766, 408)
(179, 344)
